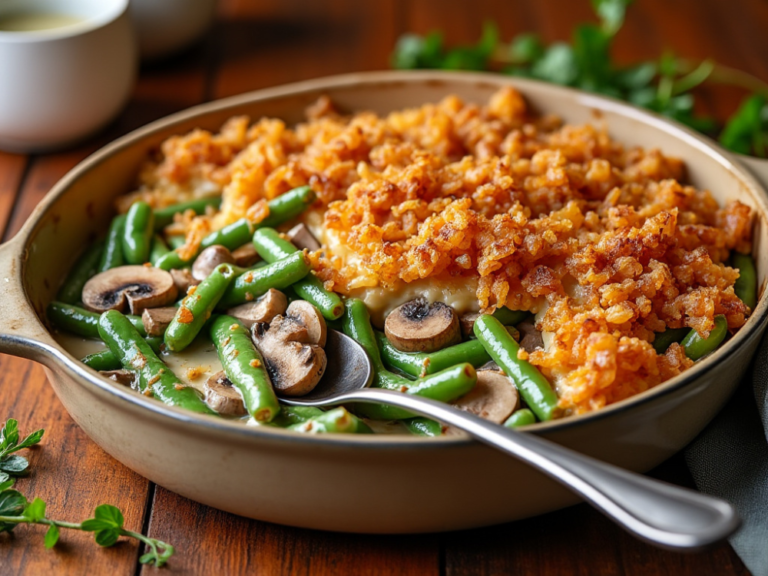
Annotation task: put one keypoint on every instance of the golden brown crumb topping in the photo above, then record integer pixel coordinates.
(607, 242)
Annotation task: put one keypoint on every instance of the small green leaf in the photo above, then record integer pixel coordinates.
(15, 465)
(611, 13)
(5, 481)
(51, 536)
(743, 132)
(35, 510)
(9, 435)
(93, 525)
(109, 513)
(12, 503)
(558, 65)
(526, 48)
(32, 439)
(636, 77)
(107, 537)
(591, 49)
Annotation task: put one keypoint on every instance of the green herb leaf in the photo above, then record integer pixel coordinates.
(412, 51)
(526, 48)
(636, 77)
(558, 65)
(743, 133)
(35, 510)
(5, 481)
(591, 51)
(9, 435)
(15, 465)
(12, 503)
(94, 525)
(111, 514)
(107, 537)
(611, 13)
(31, 440)
(51, 536)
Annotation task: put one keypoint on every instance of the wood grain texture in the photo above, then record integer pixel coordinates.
(259, 43)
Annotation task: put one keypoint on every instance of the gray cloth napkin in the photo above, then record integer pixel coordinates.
(730, 460)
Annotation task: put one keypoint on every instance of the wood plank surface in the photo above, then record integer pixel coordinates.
(262, 43)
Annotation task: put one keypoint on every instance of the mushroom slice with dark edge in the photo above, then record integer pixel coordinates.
(531, 339)
(183, 279)
(467, 323)
(264, 309)
(295, 367)
(124, 377)
(312, 320)
(222, 397)
(156, 320)
(246, 256)
(302, 238)
(418, 326)
(208, 260)
(138, 287)
(494, 397)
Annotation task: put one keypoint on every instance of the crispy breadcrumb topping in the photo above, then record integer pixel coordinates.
(607, 243)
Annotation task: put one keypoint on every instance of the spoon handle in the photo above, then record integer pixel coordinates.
(657, 512)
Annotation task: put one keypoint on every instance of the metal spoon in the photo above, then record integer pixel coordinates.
(657, 512)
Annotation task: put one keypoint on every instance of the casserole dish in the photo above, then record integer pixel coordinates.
(358, 483)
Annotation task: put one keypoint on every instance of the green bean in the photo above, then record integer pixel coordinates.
(288, 206)
(697, 347)
(337, 420)
(176, 241)
(510, 317)
(231, 237)
(420, 364)
(664, 340)
(159, 249)
(746, 284)
(106, 360)
(155, 378)
(196, 308)
(271, 247)
(85, 267)
(290, 415)
(421, 426)
(164, 216)
(137, 236)
(244, 367)
(522, 417)
(76, 320)
(444, 386)
(531, 384)
(253, 283)
(112, 257)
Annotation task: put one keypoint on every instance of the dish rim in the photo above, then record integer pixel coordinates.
(86, 376)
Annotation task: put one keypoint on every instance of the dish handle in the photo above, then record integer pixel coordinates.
(21, 332)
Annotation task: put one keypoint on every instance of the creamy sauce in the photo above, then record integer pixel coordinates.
(32, 21)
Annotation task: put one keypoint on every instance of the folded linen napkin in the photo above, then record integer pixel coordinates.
(730, 460)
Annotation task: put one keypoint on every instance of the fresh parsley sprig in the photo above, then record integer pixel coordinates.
(665, 85)
(106, 524)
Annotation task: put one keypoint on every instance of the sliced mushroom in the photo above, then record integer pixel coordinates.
(467, 323)
(295, 367)
(246, 256)
(494, 397)
(222, 397)
(138, 287)
(531, 339)
(183, 279)
(302, 238)
(209, 259)
(264, 309)
(156, 320)
(418, 326)
(124, 377)
(313, 321)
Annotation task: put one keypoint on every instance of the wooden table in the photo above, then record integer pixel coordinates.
(260, 43)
